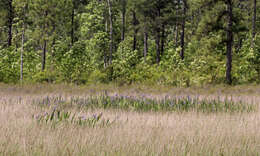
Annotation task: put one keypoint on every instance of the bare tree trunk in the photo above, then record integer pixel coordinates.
(254, 23)
(111, 31)
(44, 55)
(176, 26)
(106, 29)
(72, 23)
(145, 42)
(44, 49)
(53, 45)
(229, 43)
(135, 29)
(162, 39)
(22, 51)
(10, 22)
(176, 35)
(106, 25)
(183, 30)
(16, 42)
(123, 27)
(157, 40)
(123, 19)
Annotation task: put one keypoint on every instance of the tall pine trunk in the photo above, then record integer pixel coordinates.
(10, 22)
(22, 51)
(123, 19)
(111, 31)
(176, 26)
(162, 39)
(229, 42)
(44, 54)
(183, 30)
(72, 23)
(106, 22)
(158, 36)
(157, 42)
(145, 42)
(254, 22)
(44, 49)
(123, 27)
(176, 35)
(135, 29)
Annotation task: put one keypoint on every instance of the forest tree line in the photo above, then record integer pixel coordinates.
(169, 42)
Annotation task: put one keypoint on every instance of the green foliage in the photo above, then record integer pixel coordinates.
(209, 67)
(98, 76)
(247, 62)
(97, 48)
(9, 65)
(125, 62)
(92, 20)
(142, 103)
(45, 76)
(74, 64)
(56, 117)
(146, 73)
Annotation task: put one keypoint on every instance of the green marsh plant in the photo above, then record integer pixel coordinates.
(136, 103)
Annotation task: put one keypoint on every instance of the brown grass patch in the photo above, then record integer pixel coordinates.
(133, 133)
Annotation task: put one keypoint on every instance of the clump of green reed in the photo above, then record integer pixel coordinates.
(64, 117)
(135, 103)
(179, 104)
(52, 101)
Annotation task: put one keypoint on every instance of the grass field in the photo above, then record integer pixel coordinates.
(131, 120)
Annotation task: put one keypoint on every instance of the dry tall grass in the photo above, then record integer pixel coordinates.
(132, 133)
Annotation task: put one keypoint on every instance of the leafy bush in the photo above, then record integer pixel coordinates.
(9, 65)
(98, 76)
(125, 63)
(45, 76)
(74, 64)
(247, 62)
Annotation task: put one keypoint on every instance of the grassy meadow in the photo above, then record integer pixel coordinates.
(129, 120)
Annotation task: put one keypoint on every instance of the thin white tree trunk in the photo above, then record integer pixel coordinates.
(22, 51)
(254, 23)
(111, 31)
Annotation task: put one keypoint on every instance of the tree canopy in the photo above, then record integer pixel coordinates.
(180, 42)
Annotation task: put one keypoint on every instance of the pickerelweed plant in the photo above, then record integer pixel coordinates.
(136, 103)
(57, 116)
